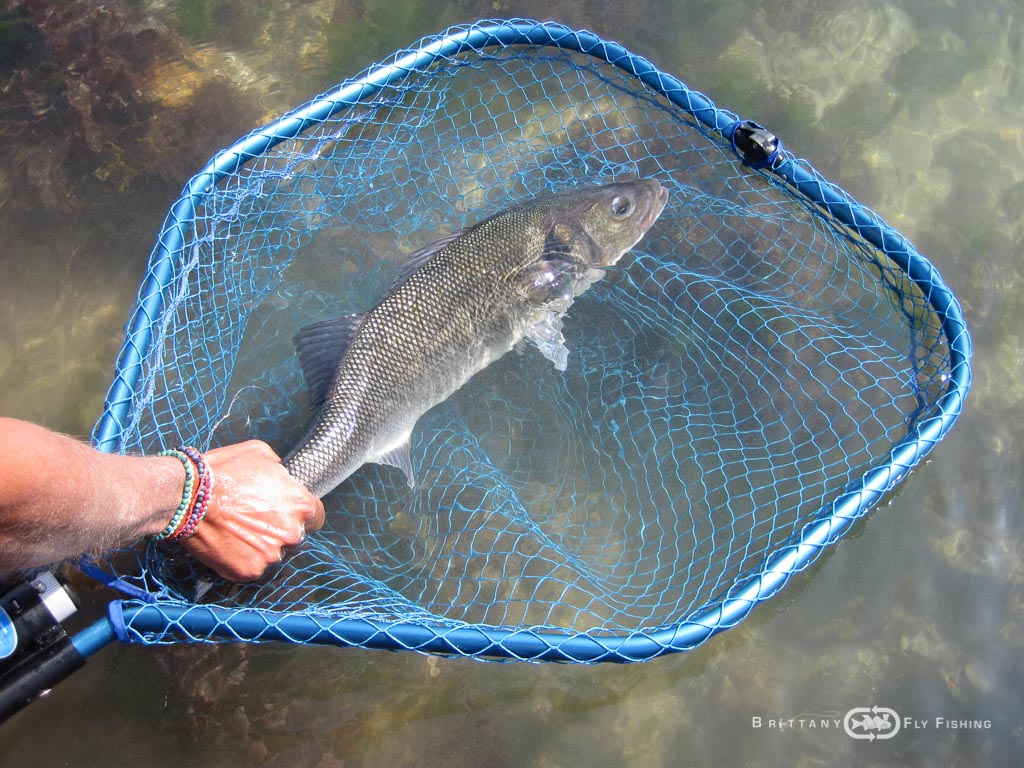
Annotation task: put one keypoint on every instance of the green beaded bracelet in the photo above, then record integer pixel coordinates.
(186, 496)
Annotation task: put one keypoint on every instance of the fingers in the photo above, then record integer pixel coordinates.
(311, 508)
(292, 538)
(258, 512)
(316, 521)
(248, 563)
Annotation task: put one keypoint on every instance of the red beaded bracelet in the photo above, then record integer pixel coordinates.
(196, 495)
(201, 503)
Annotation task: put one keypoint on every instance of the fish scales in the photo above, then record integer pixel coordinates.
(460, 304)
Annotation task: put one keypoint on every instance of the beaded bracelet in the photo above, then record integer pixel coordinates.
(186, 497)
(201, 503)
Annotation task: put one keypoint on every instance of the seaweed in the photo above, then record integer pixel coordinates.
(85, 89)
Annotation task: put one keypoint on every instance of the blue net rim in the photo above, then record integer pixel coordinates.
(137, 621)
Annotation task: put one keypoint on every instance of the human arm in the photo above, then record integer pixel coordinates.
(59, 498)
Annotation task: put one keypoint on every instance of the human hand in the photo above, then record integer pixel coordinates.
(256, 510)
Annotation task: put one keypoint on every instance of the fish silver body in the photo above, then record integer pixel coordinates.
(459, 305)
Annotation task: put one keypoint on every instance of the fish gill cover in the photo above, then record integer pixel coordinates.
(752, 377)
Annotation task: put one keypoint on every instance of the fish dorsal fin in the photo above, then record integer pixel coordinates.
(321, 347)
(401, 457)
(420, 257)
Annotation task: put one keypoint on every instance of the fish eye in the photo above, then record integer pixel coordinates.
(621, 206)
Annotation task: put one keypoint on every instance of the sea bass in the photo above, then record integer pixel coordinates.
(457, 306)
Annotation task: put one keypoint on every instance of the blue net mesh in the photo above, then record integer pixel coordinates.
(768, 362)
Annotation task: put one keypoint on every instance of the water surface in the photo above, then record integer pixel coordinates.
(913, 108)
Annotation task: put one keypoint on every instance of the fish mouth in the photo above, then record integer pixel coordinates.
(657, 206)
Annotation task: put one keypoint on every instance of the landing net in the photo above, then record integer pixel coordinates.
(765, 365)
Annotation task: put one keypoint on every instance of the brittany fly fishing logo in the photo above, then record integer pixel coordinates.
(871, 723)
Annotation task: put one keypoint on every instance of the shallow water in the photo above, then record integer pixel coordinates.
(913, 109)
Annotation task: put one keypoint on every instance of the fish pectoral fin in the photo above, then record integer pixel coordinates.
(320, 347)
(546, 335)
(401, 457)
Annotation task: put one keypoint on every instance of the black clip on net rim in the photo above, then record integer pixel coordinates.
(756, 145)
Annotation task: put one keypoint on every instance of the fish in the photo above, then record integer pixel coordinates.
(872, 722)
(457, 305)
